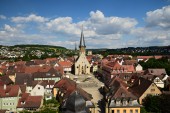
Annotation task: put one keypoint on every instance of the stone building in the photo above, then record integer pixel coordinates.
(82, 66)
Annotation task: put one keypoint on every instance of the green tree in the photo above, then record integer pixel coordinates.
(152, 103)
(165, 103)
(157, 63)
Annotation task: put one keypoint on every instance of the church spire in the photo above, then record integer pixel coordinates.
(82, 45)
(75, 46)
(82, 41)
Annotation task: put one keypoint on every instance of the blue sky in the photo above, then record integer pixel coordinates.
(107, 23)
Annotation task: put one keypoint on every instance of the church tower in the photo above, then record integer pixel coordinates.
(82, 65)
(82, 45)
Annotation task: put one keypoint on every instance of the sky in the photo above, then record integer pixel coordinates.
(106, 23)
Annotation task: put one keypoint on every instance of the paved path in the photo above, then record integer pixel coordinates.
(91, 85)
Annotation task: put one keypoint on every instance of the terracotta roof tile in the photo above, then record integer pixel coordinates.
(9, 91)
(67, 86)
(140, 86)
(144, 57)
(65, 63)
(27, 101)
(156, 71)
(119, 89)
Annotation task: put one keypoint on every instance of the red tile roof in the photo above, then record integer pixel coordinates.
(65, 63)
(67, 86)
(33, 69)
(119, 89)
(9, 91)
(140, 86)
(144, 57)
(27, 101)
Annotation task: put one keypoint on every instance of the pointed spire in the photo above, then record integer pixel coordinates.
(75, 46)
(82, 41)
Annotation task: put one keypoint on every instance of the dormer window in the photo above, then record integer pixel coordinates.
(47, 74)
(22, 102)
(130, 102)
(124, 102)
(117, 102)
(7, 93)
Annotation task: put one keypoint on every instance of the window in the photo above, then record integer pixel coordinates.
(124, 103)
(131, 111)
(38, 87)
(118, 111)
(130, 102)
(136, 111)
(117, 102)
(113, 111)
(152, 90)
(124, 111)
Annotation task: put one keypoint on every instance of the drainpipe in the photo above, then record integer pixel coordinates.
(1, 101)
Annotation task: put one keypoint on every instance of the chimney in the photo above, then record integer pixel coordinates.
(4, 86)
(139, 81)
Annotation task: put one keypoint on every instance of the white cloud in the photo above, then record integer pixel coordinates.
(110, 25)
(30, 18)
(62, 25)
(99, 31)
(2, 17)
(97, 28)
(159, 17)
(9, 28)
(149, 37)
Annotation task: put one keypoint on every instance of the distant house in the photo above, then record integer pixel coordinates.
(51, 74)
(143, 87)
(112, 68)
(9, 96)
(138, 68)
(94, 67)
(66, 66)
(130, 62)
(24, 79)
(38, 90)
(157, 79)
(31, 103)
(43, 88)
(156, 71)
(144, 58)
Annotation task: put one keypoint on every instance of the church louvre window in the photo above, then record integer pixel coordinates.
(136, 111)
(131, 111)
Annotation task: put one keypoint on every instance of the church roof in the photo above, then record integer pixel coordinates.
(76, 103)
(82, 41)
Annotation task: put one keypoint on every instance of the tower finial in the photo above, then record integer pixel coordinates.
(75, 46)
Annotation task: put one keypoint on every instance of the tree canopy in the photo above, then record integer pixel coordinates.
(157, 63)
